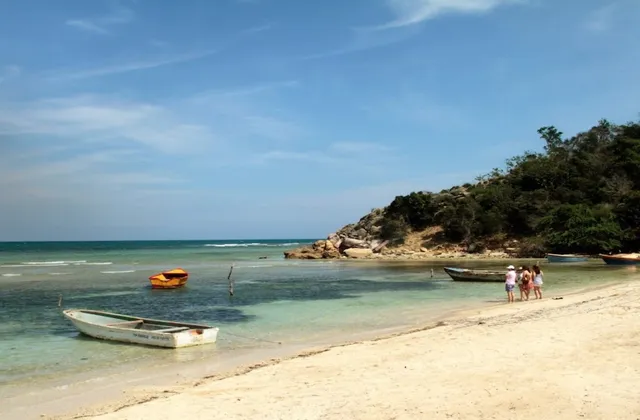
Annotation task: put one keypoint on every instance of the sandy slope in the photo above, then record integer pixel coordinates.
(574, 358)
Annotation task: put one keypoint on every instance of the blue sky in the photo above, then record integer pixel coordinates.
(284, 118)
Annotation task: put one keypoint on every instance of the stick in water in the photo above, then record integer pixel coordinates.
(230, 281)
(60, 301)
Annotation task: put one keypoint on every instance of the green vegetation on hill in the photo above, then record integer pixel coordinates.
(581, 195)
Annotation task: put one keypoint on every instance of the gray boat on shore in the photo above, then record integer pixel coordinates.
(466, 274)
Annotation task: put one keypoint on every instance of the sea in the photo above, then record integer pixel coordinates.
(278, 305)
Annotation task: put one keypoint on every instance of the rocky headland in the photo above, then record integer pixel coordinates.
(579, 196)
(362, 240)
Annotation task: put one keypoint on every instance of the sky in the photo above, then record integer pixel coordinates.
(220, 119)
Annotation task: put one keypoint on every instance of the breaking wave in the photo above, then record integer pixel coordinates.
(118, 272)
(243, 245)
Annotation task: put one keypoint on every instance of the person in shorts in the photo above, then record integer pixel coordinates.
(510, 283)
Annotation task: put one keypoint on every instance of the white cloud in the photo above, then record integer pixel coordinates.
(132, 66)
(100, 25)
(361, 158)
(149, 63)
(408, 14)
(252, 111)
(363, 40)
(246, 90)
(106, 119)
(86, 25)
(411, 12)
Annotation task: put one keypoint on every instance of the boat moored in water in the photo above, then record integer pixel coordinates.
(621, 259)
(135, 330)
(566, 258)
(171, 279)
(465, 274)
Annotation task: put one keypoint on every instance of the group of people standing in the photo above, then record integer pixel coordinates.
(526, 278)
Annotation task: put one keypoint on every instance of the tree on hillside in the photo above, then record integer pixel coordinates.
(582, 194)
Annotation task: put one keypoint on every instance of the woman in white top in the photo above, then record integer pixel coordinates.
(537, 281)
(510, 283)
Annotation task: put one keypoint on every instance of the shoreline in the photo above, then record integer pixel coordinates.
(160, 391)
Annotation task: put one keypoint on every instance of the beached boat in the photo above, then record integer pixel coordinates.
(621, 259)
(135, 330)
(465, 274)
(566, 258)
(171, 279)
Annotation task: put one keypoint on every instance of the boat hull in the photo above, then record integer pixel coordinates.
(172, 283)
(620, 260)
(462, 274)
(143, 331)
(566, 258)
(171, 279)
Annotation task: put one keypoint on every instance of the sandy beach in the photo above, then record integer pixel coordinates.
(572, 357)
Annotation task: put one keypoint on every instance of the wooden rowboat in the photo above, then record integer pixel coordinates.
(171, 279)
(465, 274)
(135, 330)
(566, 258)
(621, 259)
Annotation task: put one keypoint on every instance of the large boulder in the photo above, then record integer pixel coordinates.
(354, 243)
(367, 228)
(358, 252)
(303, 253)
(322, 249)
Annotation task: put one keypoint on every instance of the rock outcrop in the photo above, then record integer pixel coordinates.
(361, 240)
(356, 240)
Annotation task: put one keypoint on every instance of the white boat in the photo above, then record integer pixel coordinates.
(131, 329)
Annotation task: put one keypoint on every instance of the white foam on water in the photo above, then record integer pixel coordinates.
(11, 275)
(30, 265)
(118, 271)
(258, 266)
(58, 274)
(236, 245)
(94, 263)
(44, 263)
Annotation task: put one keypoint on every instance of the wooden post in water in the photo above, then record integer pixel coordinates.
(432, 273)
(60, 301)
(230, 281)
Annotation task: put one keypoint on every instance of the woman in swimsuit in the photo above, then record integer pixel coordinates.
(527, 281)
(537, 281)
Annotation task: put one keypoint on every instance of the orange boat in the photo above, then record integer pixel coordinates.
(171, 279)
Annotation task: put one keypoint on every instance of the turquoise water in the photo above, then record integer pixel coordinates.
(292, 302)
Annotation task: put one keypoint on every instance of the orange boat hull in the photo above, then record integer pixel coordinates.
(169, 279)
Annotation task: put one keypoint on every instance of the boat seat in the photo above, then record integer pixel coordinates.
(172, 329)
(125, 323)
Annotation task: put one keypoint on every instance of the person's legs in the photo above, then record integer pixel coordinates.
(509, 289)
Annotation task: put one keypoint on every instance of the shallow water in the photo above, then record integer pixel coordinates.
(292, 302)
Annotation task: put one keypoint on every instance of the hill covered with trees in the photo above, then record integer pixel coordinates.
(580, 195)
